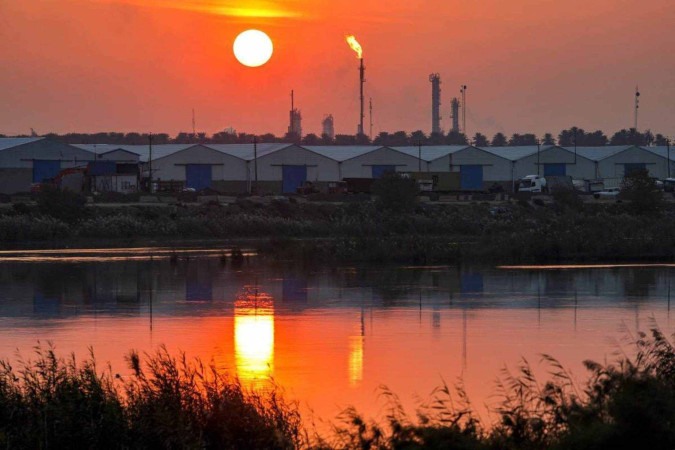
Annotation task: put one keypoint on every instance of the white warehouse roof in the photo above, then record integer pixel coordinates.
(341, 152)
(6, 143)
(431, 152)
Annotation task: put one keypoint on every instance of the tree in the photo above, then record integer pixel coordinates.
(362, 139)
(480, 140)
(268, 138)
(311, 139)
(522, 139)
(595, 139)
(382, 139)
(326, 139)
(660, 140)
(345, 139)
(628, 137)
(499, 140)
(418, 136)
(548, 139)
(436, 139)
(399, 138)
(292, 136)
(570, 137)
(456, 138)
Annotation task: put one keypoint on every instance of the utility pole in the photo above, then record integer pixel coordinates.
(150, 163)
(371, 118)
(538, 151)
(637, 106)
(255, 164)
(419, 152)
(668, 146)
(463, 92)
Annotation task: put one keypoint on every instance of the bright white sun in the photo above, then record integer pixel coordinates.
(253, 48)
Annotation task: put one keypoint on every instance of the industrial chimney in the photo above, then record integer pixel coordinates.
(454, 105)
(435, 103)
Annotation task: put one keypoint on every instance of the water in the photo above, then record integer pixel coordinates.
(329, 336)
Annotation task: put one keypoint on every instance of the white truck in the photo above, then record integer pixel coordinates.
(538, 184)
(532, 183)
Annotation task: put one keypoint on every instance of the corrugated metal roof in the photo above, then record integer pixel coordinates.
(245, 151)
(431, 152)
(514, 153)
(342, 152)
(662, 151)
(158, 151)
(6, 143)
(599, 153)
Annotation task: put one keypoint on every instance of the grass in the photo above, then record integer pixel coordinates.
(170, 402)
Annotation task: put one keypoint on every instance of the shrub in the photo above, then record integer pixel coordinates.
(61, 204)
(396, 193)
(641, 191)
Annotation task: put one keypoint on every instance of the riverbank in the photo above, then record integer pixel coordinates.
(511, 232)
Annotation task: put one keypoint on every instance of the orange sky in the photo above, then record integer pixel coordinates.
(142, 65)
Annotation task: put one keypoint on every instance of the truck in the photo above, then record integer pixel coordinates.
(538, 184)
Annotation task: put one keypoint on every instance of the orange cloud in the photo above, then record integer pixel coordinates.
(252, 9)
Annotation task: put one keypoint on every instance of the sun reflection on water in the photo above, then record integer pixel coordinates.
(254, 337)
(355, 360)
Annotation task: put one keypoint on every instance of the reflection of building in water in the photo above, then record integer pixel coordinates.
(254, 336)
(356, 344)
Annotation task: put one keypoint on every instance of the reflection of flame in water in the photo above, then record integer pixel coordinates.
(354, 44)
(355, 360)
(254, 337)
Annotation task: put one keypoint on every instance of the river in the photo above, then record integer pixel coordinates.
(331, 337)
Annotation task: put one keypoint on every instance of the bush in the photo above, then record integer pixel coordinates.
(641, 191)
(396, 193)
(62, 204)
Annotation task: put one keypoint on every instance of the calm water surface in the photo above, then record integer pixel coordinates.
(330, 336)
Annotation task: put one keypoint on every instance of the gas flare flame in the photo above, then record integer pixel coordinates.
(354, 44)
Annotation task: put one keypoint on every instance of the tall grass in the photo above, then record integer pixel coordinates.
(172, 402)
(167, 402)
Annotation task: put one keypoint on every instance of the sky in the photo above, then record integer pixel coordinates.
(144, 65)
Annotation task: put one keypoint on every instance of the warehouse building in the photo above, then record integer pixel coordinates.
(613, 163)
(553, 160)
(435, 158)
(367, 161)
(25, 161)
(281, 168)
(481, 168)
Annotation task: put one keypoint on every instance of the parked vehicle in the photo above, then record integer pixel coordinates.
(608, 193)
(535, 183)
(532, 183)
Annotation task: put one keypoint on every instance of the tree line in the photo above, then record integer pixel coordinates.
(568, 138)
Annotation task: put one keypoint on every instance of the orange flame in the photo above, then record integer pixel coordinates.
(354, 44)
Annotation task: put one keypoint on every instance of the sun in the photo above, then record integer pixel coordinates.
(253, 48)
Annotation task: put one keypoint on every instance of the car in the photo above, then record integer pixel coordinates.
(608, 193)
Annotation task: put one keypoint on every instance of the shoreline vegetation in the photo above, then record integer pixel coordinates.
(174, 402)
(396, 228)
